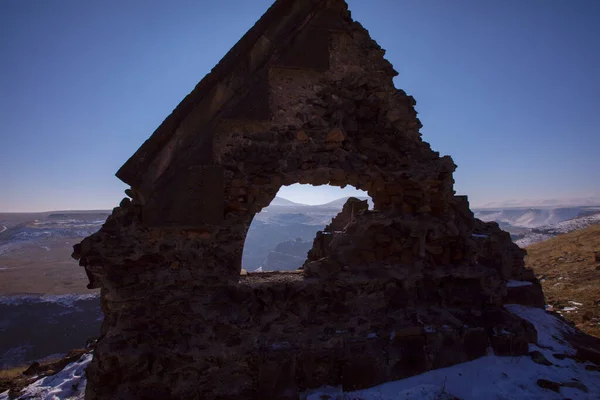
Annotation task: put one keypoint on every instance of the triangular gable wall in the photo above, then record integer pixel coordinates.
(233, 75)
(306, 68)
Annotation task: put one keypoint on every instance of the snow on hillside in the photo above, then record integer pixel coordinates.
(489, 377)
(339, 203)
(66, 228)
(280, 201)
(542, 233)
(529, 217)
(532, 225)
(67, 384)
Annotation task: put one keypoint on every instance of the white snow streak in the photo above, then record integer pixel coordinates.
(67, 384)
(512, 283)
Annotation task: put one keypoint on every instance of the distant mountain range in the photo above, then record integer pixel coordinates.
(532, 225)
(533, 217)
(283, 221)
(543, 233)
(280, 201)
(588, 201)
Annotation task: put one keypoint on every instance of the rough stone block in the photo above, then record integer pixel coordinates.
(309, 50)
(194, 200)
(277, 377)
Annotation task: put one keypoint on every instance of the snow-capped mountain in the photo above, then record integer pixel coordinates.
(534, 217)
(542, 233)
(17, 230)
(284, 221)
(532, 225)
(339, 203)
(280, 201)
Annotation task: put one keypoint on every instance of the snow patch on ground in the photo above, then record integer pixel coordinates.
(8, 247)
(550, 329)
(429, 329)
(512, 283)
(492, 377)
(67, 384)
(281, 346)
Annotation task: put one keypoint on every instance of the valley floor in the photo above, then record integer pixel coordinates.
(43, 267)
(37, 327)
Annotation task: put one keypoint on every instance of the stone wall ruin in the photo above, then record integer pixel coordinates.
(418, 283)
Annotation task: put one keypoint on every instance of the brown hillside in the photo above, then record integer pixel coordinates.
(569, 270)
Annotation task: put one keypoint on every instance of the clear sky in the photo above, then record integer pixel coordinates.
(509, 88)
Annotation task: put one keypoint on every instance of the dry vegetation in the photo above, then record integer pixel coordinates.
(15, 379)
(569, 270)
(10, 377)
(11, 373)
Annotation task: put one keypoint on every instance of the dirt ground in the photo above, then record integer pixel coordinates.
(35, 252)
(569, 271)
(42, 267)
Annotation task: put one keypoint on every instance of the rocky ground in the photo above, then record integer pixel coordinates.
(568, 267)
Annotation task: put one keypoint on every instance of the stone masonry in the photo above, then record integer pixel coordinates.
(415, 284)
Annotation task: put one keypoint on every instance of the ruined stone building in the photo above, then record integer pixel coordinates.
(305, 96)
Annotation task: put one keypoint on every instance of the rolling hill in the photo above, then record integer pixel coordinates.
(568, 267)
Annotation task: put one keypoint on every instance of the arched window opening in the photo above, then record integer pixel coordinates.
(281, 235)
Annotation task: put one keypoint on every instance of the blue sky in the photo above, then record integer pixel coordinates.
(510, 89)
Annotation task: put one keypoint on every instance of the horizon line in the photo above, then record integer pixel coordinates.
(473, 207)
